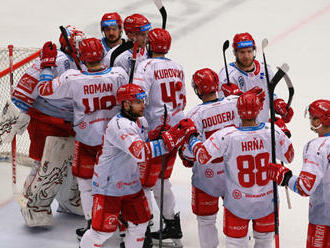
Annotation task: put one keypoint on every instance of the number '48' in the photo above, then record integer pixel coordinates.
(253, 170)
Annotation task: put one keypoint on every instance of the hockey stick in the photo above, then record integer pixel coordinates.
(224, 48)
(162, 11)
(271, 87)
(13, 143)
(74, 56)
(291, 93)
(162, 187)
(131, 73)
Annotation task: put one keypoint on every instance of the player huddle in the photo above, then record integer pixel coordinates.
(99, 142)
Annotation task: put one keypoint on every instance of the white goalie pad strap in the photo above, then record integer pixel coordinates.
(56, 161)
(12, 122)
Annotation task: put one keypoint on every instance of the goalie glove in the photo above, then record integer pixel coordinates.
(279, 173)
(176, 136)
(12, 122)
(48, 55)
(280, 107)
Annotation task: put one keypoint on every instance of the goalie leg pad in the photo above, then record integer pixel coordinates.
(49, 176)
(12, 122)
(93, 238)
(169, 200)
(202, 203)
(85, 188)
(207, 231)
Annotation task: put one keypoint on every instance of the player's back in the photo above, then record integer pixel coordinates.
(163, 81)
(210, 117)
(247, 150)
(94, 97)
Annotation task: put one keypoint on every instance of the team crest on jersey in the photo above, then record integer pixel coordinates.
(82, 125)
(262, 75)
(66, 64)
(209, 173)
(241, 81)
(136, 148)
(237, 194)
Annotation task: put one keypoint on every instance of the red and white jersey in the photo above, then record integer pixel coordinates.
(314, 179)
(124, 60)
(124, 148)
(210, 117)
(246, 152)
(163, 81)
(94, 99)
(246, 81)
(26, 94)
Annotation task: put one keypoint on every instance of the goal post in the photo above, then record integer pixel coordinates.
(22, 58)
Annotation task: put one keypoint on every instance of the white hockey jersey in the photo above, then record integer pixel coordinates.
(314, 179)
(26, 93)
(246, 152)
(124, 148)
(208, 118)
(124, 60)
(246, 81)
(163, 81)
(94, 99)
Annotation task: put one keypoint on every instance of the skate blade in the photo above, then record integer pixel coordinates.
(168, 243)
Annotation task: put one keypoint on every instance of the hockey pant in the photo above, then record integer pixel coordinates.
(45, 182)
(205, 207)
(318, 236)
(236, 229)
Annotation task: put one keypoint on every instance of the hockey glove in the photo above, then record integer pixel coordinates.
(279, 173)
(281, 124)
(155, 133)
(281, 109)
(187, 162)
(48, 55)
(231, 89)
(260, 93)
(177, 135)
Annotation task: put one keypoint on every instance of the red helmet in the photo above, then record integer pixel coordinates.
(111, 19)
(320, 109)
(74, 36)
(243, 40)
(249, 106)
(159, 40)
(90, 50)
(130, 92)
(136, 23)
(205, 81)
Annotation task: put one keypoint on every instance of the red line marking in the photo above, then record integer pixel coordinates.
(6, 202)
(299, 25)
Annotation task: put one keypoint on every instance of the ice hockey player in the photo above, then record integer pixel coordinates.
(208, 181)
(163, 81)
(93, 93)
(49, 126)
(136, 27)
(314, 178)
(246, 153)
(116, 181)
(112, 29)
(247, 72)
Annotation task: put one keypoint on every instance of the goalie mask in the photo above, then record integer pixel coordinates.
(75, 36)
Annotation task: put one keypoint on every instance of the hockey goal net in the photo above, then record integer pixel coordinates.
(22, 59)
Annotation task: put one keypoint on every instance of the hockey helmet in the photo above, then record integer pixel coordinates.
(111, 19)
(205, 81)
(159, 40)
(320, 109)
(249, 106)
(130, 92)
(243, 40)
(90, 50)
(136, 23)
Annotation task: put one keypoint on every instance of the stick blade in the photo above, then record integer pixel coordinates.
(225, 45)
(264, 44)
(285, 67)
